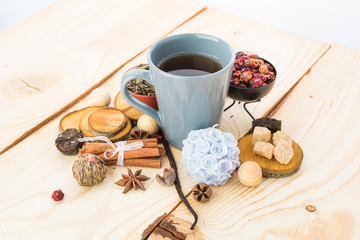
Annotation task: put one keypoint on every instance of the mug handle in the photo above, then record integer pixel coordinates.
(136, 103)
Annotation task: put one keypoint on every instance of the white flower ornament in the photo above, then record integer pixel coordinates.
(210, 155)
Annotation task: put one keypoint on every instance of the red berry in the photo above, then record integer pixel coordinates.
(57, 195)
(242, 85)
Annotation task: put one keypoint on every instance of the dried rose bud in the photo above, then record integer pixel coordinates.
(269, 67)
(254, 63)
(253, 56)
(246, 76)
(239, 54)
(236, 73)
(263, 69)
(244, 60)
(157, 136)
(255, 82)
(236, 81)
(57, 195)
(271, 75)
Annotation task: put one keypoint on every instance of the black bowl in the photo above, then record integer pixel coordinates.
(251, 94)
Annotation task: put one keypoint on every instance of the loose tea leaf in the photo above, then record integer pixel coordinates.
(140, 86)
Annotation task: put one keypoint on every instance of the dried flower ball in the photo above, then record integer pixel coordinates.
(89, 170)
(250, 71)
(210, 156)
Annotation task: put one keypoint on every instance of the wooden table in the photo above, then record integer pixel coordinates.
(50, 62)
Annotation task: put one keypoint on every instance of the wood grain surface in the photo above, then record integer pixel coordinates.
(32, 169)
(60, 54)
(125, 107)
(321, 113)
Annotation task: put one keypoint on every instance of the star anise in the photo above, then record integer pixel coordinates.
(138, 134)
(132, 180)
(202, 192)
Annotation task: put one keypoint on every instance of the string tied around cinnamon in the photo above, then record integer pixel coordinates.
(117, 147)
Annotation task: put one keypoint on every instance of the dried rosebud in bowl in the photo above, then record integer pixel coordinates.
(248, 69)
(251, 79)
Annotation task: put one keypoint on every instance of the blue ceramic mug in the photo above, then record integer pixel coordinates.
(185, 102)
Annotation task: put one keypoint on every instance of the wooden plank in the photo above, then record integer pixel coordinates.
(56, 57)
(34, 168)
(321, 113)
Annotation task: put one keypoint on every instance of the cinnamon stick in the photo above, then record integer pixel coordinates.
(101, 147)
(141, 162)
(137, 153)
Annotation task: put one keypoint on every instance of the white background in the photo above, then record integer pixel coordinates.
(325, 20)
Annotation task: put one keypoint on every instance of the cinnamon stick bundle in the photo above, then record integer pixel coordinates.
(137, 153)
(101, 147)
(143, 157)
(140, 162)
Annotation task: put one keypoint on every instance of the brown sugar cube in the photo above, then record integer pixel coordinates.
(283, 152)
(264, 149)
(281, 135)
(261, 134)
